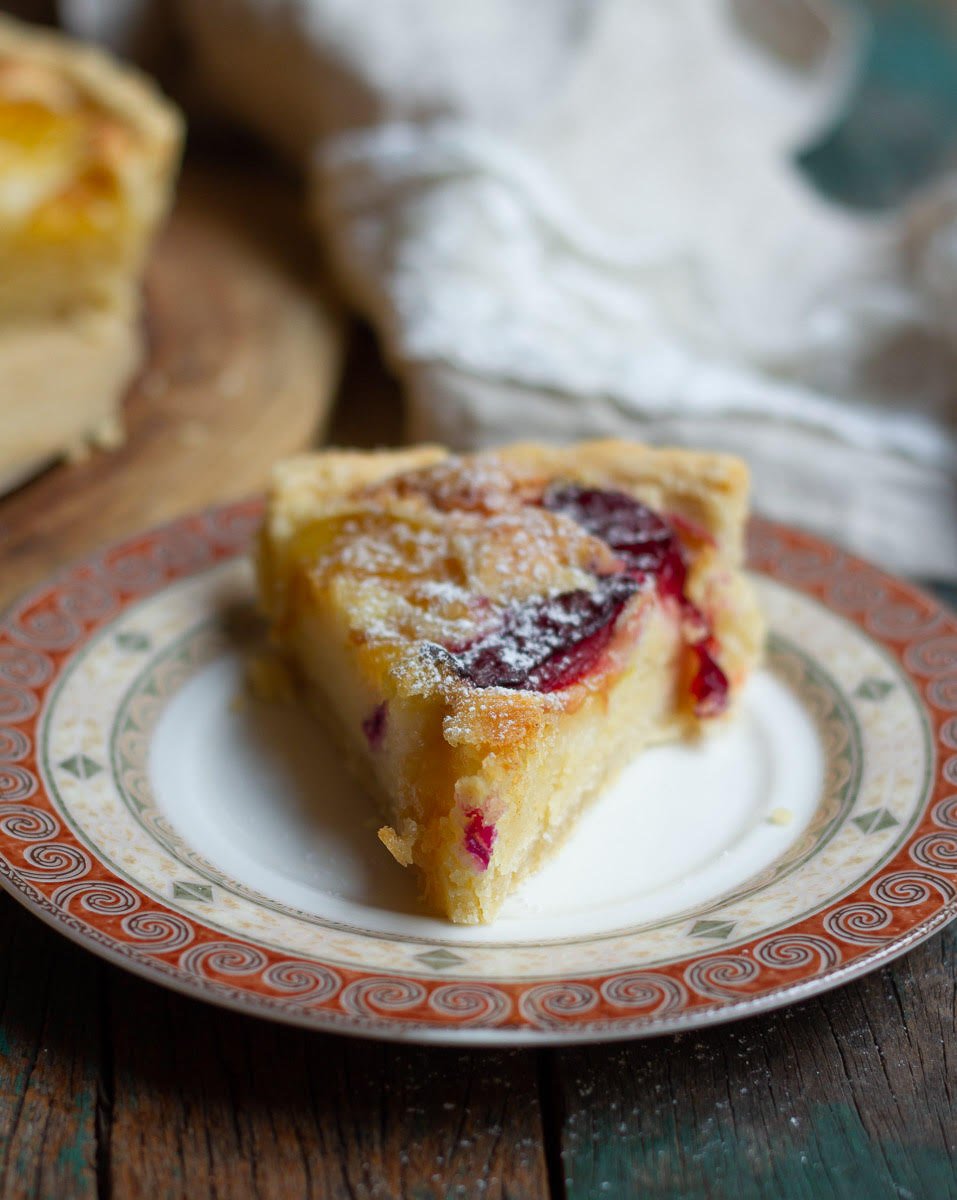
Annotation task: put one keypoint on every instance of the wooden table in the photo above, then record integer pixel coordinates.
(112, 1087)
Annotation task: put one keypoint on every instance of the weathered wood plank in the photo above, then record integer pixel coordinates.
(212, 1104)
(50, 1087)
(848, 1096)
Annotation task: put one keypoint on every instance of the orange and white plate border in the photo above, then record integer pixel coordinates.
(61, 878)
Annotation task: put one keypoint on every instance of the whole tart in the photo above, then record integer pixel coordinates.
(88, 157)
(493, 637)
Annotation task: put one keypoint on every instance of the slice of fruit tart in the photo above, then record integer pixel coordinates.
(492, 637)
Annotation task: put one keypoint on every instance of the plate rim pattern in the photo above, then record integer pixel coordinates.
(48, 869)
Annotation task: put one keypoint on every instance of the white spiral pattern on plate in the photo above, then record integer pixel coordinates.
(791, 951)
(937, 850)
(551, 1003)
(942, 693)
(231, 527)
(903, 620)
(859, 923)
(27, 824)
(97, 896)
(646, 991)
(855, 593)
(17, 703)
(721, 976)
(945, 812)
(134, 572)
(904, 889)
(474, 1004)
(25, 668)
(933, 657)
(225, 958)
(801, 565)
(16, 784)
(158, 932)
(55, 861)
(86, 599)
(47, 629)
(381, 994)
(183, 550)
(14, 745)
(303, 982)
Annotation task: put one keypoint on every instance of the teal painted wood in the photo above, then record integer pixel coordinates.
(852, 1096)
(898, 129)
(52, 1092)
(946, 592)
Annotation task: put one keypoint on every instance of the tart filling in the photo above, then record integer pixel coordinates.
(549, 644)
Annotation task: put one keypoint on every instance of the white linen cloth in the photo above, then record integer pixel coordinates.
(575, 217)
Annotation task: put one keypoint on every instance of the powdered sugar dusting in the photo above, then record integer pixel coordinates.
(391, 546)
(480, 483)
(478, 569)
(524, 553)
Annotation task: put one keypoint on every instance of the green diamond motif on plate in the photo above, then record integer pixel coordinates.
(873, 689)
(183, 890)
(131, 640)
(81, 766)
(712, 929)
(875, 820)
(439, 960)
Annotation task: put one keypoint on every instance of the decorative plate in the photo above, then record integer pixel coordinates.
(154, 812)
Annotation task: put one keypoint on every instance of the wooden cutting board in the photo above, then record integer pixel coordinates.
(244, 353)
